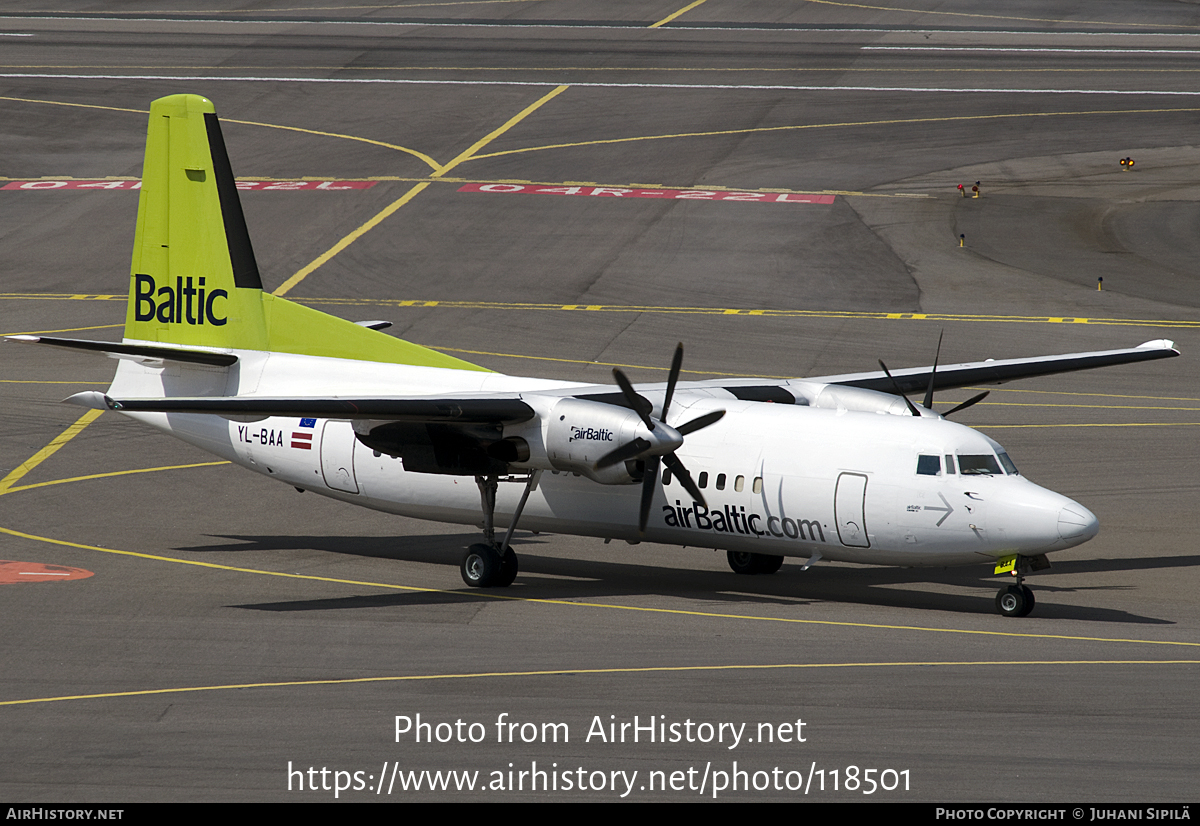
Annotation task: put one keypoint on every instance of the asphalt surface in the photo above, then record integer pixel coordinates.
(232, 630)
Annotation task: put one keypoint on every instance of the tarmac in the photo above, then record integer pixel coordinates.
(234, 635)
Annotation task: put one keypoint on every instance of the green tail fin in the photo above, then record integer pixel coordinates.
(194, 279)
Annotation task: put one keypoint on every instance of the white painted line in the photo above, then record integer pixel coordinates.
(40, 573)
(1024, 49)
(293, 23)
(553, 83)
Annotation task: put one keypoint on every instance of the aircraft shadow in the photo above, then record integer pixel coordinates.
(550, 577)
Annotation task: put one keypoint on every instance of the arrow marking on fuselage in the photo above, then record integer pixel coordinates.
(948, 510)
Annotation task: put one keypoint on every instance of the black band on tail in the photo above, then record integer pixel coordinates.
(241, 254)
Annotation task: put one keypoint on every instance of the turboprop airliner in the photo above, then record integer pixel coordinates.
(844, 468)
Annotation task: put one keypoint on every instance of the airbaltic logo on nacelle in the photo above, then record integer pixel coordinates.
(591, 434)
(184, 304)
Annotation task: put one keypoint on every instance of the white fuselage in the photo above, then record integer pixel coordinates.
(779, 479)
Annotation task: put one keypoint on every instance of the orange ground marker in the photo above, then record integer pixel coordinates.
(11, 572)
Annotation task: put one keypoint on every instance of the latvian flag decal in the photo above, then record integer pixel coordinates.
(301, 439)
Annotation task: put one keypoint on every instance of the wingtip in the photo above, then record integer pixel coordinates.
(93, 399)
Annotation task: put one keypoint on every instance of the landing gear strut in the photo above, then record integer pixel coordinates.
(491, 564)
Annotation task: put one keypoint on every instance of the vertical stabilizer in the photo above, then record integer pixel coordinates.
(194, 280)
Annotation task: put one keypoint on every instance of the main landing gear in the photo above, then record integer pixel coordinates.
(747, 563)
(484, 567)
(491, 564)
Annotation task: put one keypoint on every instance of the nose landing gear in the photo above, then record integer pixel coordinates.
(1015, 600)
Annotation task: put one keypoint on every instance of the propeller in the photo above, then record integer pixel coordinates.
(662, 442)
(967, 403)
(912, 408)
(928, 401)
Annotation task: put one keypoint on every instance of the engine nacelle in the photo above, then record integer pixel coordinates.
(579, 432)
(835, 396)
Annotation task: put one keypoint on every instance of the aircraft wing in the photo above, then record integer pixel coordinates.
(509, 409)
(999, 371)
(465, 410)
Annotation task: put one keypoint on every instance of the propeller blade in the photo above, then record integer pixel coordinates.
(911, 407)
(672, 377)
(928, 403)
(967, 403)
(701, 422)
(627, 451)
(649, 483)
(637, 403)
(685, 478)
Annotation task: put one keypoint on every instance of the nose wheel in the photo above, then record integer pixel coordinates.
(1015, 600)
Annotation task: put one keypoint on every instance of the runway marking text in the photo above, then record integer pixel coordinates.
(662, 194)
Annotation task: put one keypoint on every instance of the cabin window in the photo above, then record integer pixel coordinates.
(758, 484)
(739, 483)
(929, 466)
(949, 463)
(666, 477)
(980, 465)
(720, 481)
(703, 479)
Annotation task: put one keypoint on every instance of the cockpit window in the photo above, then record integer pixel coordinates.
(929, 465)
(980, 465)
(1009, 467)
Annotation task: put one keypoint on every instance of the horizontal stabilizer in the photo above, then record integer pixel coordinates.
(447, 411)
(138, 352)
(947, 377)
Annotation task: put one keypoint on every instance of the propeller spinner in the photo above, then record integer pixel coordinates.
(658, 445)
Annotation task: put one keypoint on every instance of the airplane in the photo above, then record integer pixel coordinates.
(842, 468)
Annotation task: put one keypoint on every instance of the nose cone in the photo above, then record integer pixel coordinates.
(1035, 520)
(1077, 524)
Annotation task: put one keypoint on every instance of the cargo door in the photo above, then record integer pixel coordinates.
(337, 456)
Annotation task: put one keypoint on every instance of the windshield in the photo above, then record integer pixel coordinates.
(983, 464)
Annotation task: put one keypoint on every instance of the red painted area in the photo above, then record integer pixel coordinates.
(278, 186)
(11, 572)
(289, 186)
(41, 185)
(661, 194)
